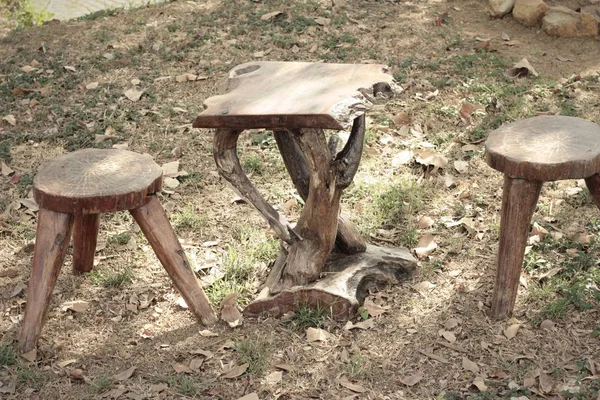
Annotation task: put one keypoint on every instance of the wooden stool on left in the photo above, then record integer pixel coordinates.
(72, 191)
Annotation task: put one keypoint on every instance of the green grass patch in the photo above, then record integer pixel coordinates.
(306, 317)
(8, 355)
(255, 352)
(111, 278)
(189, 219)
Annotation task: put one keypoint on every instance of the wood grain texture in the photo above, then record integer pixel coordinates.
(348, 239)
(85, 238)
(94, 181)
(51, 244)
(347, 282)
(545, 148)
(155, 225)
(519, 199)
(291, 95)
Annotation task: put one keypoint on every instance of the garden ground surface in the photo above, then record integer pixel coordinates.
(63, 88)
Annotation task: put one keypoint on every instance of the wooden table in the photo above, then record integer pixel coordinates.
(297, 101)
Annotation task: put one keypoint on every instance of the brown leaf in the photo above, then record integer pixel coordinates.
(64, 363)
(19, 288)
(273, 378)
(270, 16)
(207, 333)
(451, 323)
(231, 315)
(423, 287)
(434, 356)
(412, 380)
(5, 169)
(373, 309)
(425, 222)
(207, 354)
(511, 331)
(355, 387)
(461, 166)
(133, 94)
(522, 68)
(402, 118)
(547, 324)
(28, 68)
(235, 371)
(10, 119)
(251, 396)
(483, 45)
(122, 376)
(181, 368)
(403, 157)
(425, 246)
(428, 157)
(366, 324)
(505, 36)
(449, 336)
(480, 384)
(546, 383)
(564, 59)
(30, 355)
(75, 305)
(91, 85)
(316, 335)
(470, 365)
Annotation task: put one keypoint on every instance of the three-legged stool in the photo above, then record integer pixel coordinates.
(72, 191)
(530, 152)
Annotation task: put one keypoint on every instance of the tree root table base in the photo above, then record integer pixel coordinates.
(348, 279)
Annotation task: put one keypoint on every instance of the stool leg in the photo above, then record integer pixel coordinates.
(51, 244)
(156, 227)
(593, 184)
(85, 237)
(519, 198)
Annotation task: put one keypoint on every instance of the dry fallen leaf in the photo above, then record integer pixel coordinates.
(30, 355)
(75, 305)
(251, 396)
(270, 16)
(546, 383)
(122, 376)
(133, 94)
(366, 324)
(181, 368)
(273, 378)
(424, 286)
(403, 157)
(522, 68)
(451, 323)
(10, 119)
(28, 68)
(470, 365)
(428, 157)
(511, 331)
(64, 363)
(425, 246)
(449, 336)
(207, 333)
(91, 86)
(5, 169)
(316, 334)
(235, 371)
(480, 384)
(505, 36)
(70, 68)
(412, 380)
(355, 387)
(19, 288)
(373, 309)
(461, 166)
(425, 222)
(547, 324)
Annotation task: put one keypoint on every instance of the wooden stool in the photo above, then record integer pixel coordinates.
(530, 152)
(72, 191)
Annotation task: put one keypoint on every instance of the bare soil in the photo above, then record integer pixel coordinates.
(435, 338)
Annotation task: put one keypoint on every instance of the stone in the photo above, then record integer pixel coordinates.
(499, 8)
(529, 12)
(593, 10)
(564, 22)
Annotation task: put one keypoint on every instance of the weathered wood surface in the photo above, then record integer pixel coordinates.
(593, 185)
(94, 181)
(155, 225)
(51, 244)
(348, 278)
(348, 239)
(545, 148)
(85, 238)
(290, 95)
(519, 199)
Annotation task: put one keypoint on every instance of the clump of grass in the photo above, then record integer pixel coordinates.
(359, 367)
(253, 164)
(306, 317)
(101, 383)
(31, 378)
(112, 279)
(189, 219)
(8, 355)
(253, 351)
(120, 239)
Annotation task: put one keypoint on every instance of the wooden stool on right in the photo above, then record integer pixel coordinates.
(530, 152)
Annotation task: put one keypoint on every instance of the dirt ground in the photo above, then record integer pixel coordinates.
(63, 87)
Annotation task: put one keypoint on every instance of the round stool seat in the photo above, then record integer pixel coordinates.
(94, 181)
(545, 148)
